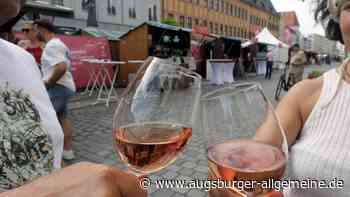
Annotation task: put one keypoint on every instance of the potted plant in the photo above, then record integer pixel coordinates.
(315, 74)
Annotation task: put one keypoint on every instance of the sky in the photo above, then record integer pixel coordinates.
(304, 12)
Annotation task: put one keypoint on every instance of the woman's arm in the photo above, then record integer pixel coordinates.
(292, 111)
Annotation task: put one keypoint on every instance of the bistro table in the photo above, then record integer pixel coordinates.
(221, 71)
(92, 84)
(100, 77)
(106, 78)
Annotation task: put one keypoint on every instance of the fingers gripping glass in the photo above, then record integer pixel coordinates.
(235, 120)
(154, 119)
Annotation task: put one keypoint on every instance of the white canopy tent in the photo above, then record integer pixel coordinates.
(266, 37)
(279, 48)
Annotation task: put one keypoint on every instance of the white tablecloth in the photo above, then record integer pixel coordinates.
(260, 67)
(220, 71)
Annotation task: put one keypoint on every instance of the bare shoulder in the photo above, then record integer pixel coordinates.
(307, 87)
(305, 95)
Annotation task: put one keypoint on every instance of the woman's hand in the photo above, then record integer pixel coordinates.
(82, 180)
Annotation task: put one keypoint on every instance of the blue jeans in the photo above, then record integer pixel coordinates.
(59, 96)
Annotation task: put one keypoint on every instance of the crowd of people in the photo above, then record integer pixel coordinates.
(36, 133)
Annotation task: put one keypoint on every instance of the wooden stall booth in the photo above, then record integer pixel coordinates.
(201, 48)
(150, 39)
(111, 36)
(226, 52)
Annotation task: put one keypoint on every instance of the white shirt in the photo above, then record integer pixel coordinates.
(322, 150)
(19, 73)
(56, 52)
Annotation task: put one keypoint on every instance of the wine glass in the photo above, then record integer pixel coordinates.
(154, 118)
(238, 121)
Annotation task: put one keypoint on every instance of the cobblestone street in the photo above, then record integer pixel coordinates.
(93, 142)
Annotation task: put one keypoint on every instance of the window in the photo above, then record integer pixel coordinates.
(150, 14)
(205, 23)
(211, 5)
(196, 22)
(189, 22)
(206, 3)
(85, 5)
(182, 21)
(236, 11)
(132, 9)
(230, 31)
(221, 29)
(211, 28)
(110, 8)
(216, 28)
(222, 6)
(57, 2)
(226, 30)
(155, 17)
(132, 13)
(217, 5)
(231, 10)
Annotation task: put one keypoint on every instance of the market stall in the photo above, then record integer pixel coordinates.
(201, 48)
(220, 68)
(258, 47)
(85, 47)
(149, 39)
(111, 36)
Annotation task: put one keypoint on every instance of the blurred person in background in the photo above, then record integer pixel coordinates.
(297, 63)
(36, 43)
(269, 64)
(57, 75)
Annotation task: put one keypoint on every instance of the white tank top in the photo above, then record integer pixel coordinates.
(322, 151)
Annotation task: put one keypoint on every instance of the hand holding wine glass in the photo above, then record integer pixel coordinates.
(231, 116)
(154, 118)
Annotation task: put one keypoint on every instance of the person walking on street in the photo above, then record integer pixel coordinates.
(269, 64)
(58, 79)
(297, 63)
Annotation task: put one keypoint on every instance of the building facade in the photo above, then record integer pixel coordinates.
(118, 15)
(323, 46)
(232, 18)
(289, 29)
(305, 43)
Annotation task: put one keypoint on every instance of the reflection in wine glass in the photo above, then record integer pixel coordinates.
(154, 118)
(231, 116)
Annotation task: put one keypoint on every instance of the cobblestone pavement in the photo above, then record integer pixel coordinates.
(93, 142)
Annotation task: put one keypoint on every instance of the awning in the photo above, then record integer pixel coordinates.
(46, 8)
(110, 35)
(266, 37)
(168, 27)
